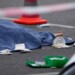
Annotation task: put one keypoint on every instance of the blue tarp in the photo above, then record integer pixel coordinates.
(12, 33)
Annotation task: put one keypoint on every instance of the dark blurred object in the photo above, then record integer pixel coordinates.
(68, 70)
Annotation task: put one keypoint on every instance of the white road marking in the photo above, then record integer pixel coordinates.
(6, 18)
(55, 25)
(44, 25)
(51, 73)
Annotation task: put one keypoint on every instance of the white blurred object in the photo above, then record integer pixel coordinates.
(5, 52)
(72, 60)
(39, 62)
(59, 42)
(21, 47)
(74, 44)
(14, 11)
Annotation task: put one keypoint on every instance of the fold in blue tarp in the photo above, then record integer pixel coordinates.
(12, 33)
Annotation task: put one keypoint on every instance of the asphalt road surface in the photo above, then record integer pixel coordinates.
(15, 64)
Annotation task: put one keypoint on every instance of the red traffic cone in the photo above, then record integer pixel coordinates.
(30, 19)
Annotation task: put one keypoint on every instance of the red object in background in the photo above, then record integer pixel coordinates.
(30, 19)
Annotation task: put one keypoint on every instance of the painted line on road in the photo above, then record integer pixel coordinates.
(51, 73)
(44, 25)
(55, 25)
(6, 18)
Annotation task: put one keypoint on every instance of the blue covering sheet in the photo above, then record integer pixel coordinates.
(12, 33)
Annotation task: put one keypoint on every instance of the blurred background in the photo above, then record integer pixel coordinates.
(65, 17)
